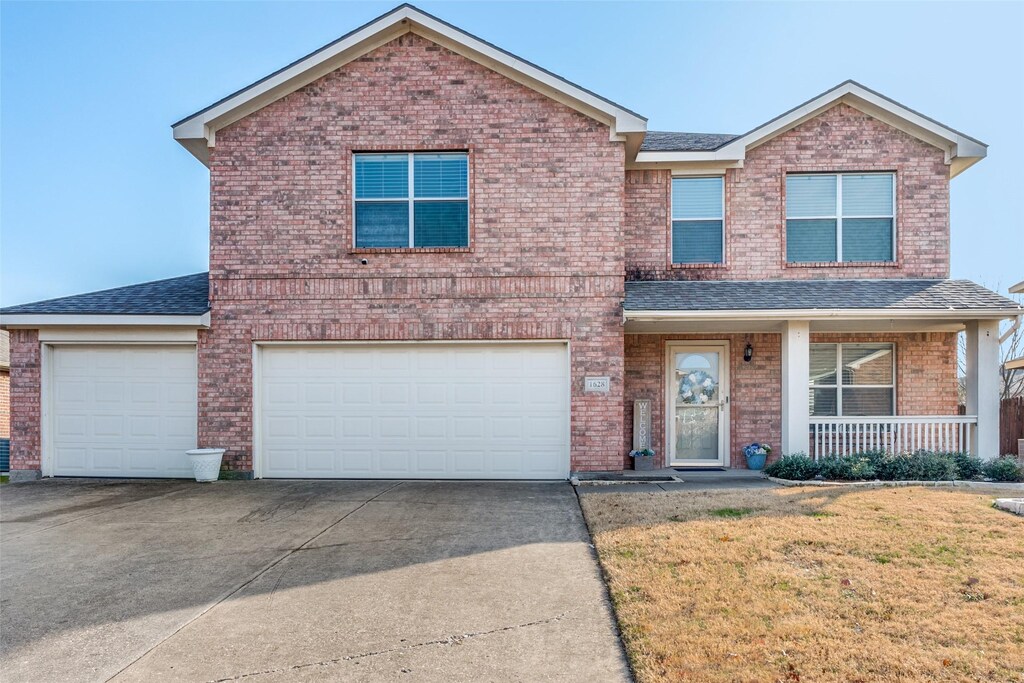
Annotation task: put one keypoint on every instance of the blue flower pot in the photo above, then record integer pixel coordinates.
(756, 462)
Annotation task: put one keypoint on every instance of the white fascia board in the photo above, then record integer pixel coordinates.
(1017, 288)
(828, 314)
(961, 151)
(198, 132)
(38, 320)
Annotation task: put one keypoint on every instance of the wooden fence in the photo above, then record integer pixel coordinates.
(1011, 424)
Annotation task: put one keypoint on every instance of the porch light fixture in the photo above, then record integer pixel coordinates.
(748, 353)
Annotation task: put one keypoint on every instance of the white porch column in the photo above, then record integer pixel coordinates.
(983, 386)
(796, 373)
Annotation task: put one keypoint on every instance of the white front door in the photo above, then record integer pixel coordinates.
(414, 411)
(697, 404)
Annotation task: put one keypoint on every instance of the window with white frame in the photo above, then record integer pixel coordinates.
(698, 220)
(411, 200)
(852, 380)
(845, 217)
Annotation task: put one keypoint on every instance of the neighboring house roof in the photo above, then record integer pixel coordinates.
(904, 295)
(198, 132)
(961, 150)
(664, 141)
(1017, 288)
(187, 295)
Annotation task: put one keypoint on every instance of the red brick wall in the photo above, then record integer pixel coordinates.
(840, 139)
(925, 381)
(546, 213)
(5, 404)
(25, 404)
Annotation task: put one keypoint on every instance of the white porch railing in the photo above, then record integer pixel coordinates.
(846, 435)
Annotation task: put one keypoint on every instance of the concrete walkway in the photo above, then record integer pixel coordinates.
(692, 480)
(294, 581)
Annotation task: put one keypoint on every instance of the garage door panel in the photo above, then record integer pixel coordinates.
(407, 411)
(122, 411)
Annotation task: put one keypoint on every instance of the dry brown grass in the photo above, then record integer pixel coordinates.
(906, 584)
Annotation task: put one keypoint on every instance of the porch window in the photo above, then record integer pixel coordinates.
(852, 380)
(843, 218)
(412, 200)
(697, 220)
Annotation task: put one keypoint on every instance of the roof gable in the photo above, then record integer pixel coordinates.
(961, 151)
(198, 132)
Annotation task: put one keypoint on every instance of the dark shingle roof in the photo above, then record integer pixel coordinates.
(186, 295)
(663, 141)
(754, 295)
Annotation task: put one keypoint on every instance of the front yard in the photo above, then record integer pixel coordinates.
(894, 584)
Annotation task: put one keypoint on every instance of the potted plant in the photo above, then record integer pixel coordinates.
(206, 463)
(643, 458)
(756, 454)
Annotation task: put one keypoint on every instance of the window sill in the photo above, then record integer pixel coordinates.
(842, 264)
(411, 250)
(690, 266)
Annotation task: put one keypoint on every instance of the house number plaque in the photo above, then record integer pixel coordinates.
(597, 385)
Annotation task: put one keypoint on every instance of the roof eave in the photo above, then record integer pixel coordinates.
(17, 321)
(960, 151)
(953, 314)
(197, 133)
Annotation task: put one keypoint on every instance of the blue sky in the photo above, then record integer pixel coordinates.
(95, 193)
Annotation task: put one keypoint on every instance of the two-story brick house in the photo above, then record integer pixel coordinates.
(430, 258)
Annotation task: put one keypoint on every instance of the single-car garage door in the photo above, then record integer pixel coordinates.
(433, 411)
(122, 411)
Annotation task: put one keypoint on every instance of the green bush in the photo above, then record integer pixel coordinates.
(1006, 468)
(916, 466)
(858, 466)
(968, 466)
(797, 467)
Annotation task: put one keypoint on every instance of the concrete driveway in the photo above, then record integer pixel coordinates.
(300, 580)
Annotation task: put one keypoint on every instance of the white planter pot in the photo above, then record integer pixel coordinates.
(206, 463)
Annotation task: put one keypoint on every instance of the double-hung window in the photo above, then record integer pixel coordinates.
(852, 380)
(846, 217)
(412, 200)
(698, 220)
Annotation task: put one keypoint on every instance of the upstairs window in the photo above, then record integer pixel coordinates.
(412, 200)
(698, 220)
(843, 218)
(852, 380)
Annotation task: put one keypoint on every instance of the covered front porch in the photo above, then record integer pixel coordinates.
(816, 367)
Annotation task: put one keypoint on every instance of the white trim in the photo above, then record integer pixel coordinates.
(952, 314)
(39, 320)
(722, 347)
(45, 411)
(198, 132)
(961, 151)
(406, 342)
(257, 437)
(117, 335)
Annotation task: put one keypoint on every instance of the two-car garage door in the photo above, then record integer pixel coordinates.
(458, 411)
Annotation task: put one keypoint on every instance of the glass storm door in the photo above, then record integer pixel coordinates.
(697, 401)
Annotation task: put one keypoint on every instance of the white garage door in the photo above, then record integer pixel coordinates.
(429, 411)
(123, 411)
